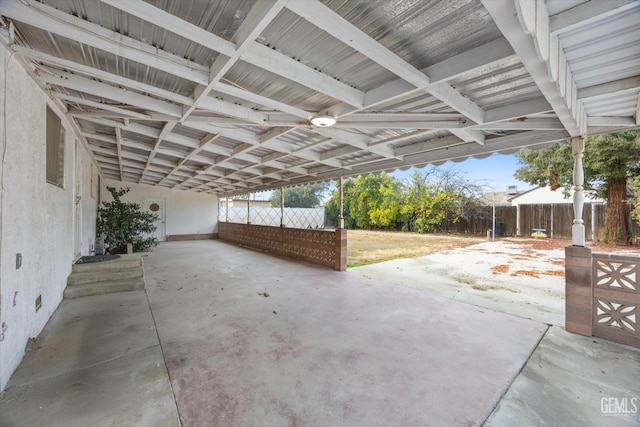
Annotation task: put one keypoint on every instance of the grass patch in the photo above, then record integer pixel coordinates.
(369, 247)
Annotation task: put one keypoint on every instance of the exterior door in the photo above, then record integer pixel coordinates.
(157, 206)
(77, 200)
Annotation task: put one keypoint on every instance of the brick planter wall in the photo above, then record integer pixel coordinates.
(322, 247)
(579, 295)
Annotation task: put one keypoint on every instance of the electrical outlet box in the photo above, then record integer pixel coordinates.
(18, 260)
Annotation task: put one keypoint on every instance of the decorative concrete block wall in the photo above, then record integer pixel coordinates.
(603, 295)
(322, 247)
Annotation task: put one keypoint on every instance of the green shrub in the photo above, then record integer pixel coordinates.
(121, 222)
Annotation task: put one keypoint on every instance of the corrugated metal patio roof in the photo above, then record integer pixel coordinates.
(217, 96)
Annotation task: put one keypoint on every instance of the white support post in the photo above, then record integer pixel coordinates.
(493, 223)
(552, 212)
(577, 230)
(226, 204)
(593, 222)
(341, 211)
(281, 206)
(248, 208)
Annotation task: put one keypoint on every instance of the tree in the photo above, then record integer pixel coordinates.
(303, 196)
(370, 201)
(611, 162)
(124, 222)
(366, 196)
(421, 204)
(438, 195)
(332, 207)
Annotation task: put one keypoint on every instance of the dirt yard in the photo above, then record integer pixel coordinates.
(519, 276)
(369, 247)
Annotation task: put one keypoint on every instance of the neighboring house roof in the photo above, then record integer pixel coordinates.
(543, 195)
(220, 97)
(499, 198)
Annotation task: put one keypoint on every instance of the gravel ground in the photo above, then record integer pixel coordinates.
(523, 277)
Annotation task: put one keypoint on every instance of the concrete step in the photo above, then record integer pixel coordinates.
(97, 276)
(122, 263)
(99, 288)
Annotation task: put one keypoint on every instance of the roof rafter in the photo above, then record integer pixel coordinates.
(542, 56)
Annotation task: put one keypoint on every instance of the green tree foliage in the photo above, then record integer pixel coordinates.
(124, 222)
(304, 196)
(437, 196)
(611, 162)
(366, 197)
(332, 207)
(421, 204)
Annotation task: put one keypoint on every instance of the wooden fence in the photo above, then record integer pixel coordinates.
(556, 218)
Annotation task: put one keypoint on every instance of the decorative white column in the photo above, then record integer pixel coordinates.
(577, 230)
(281, 206)
(248, 208)
(226, 204)
(341, 211)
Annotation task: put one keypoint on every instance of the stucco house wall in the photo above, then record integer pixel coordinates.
(188, 214)
(544, 195)
(36, 218)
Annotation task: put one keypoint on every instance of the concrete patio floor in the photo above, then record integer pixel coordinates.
(226, 336)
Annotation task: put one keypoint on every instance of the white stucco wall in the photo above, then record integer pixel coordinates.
(543, 195)
(186, 212)
(36, 218)
(89, 203)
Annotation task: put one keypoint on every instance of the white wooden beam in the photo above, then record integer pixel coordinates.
(469, 135)
(235, 91)
(528, 108)
(586, 13)
(246, 49)
(119, 150)
(210, 104)
(483, 56)
(334, 24)
(168, 21)
(430, 145)
(495, 52)
(284, 66)
(166, 130)
(533, 43)
(103, 90)
(359, 141)
(618, 87)
(423, 124)
(260, 15)
(123, 112)
(57, 22)
(610, 121)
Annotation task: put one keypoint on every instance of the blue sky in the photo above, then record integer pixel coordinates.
(494, 172)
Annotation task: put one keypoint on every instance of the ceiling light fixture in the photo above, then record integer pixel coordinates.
(323, 121)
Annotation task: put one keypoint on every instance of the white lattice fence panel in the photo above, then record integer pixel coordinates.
(304, 217)
(293, 217)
